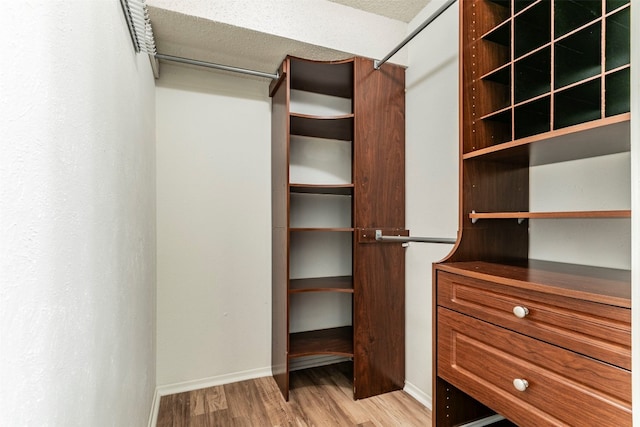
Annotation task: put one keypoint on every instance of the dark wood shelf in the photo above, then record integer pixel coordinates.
(322, 284)
(327, 127)
(321, 229)
(596, 284)
(328, 78)
(336, 341)
(551, 215)
(575, 142)
(337, 189)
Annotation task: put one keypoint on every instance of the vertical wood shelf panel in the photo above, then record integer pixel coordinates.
(335, 175)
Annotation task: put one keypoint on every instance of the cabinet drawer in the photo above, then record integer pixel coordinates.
(564, 388)
(597, 330)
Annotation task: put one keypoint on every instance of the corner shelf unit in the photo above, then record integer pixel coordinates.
(543, 83)
(323, 302)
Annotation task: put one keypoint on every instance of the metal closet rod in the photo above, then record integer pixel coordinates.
(377, 64)
(216, 66)
(446, 240)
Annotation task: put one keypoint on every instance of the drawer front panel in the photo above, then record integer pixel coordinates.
(597, 330)
(564, 388)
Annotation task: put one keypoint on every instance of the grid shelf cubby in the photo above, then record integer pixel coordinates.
(578, 104)
(618, 43)
(532, 28)
(572, 14)
(532, 75)
(578, 56)
(617, 88)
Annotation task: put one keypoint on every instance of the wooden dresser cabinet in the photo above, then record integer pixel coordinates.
(539, 342)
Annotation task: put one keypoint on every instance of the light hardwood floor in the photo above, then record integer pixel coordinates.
(319, 397)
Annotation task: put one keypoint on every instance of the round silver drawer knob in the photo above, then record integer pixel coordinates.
(520, 311)
(520, 384)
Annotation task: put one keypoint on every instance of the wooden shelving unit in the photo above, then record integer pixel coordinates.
(543, 82)
(330, 169)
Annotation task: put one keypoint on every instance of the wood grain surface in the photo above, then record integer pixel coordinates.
(319, 397)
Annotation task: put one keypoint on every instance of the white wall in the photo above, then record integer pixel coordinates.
(213, 226)
(77, 217)
(431, 177)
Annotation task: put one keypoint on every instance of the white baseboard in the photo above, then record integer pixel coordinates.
(155, 407)
(418, 394)
(167, 389)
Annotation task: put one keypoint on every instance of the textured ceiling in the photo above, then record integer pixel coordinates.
(402, 10)
(259, 37)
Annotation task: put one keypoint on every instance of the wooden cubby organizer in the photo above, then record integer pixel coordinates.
(543, 83)
(337, 151)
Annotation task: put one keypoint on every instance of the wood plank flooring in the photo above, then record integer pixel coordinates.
(318, 397)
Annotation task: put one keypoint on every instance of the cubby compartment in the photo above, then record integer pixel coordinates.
(500, 35)
(578, 104)
(573, 14)
(319, 161)
(320, 253)
(496, 127)
(532, 118)
(532, 75)
(532, 28)
(615, 4)
(308, 210)
(578, 56)
(493, 15)
(520, 5)
(617, 88)
(319, 310)
(618, 40)
(493, 92)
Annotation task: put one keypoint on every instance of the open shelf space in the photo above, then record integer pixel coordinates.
(532, 28)
(334, 79)
(329, 127)
(532, 118)
(618, 40)
(322, 284)
(595, 284)
(578, 56)
(578, 104)
(532, 75)
(500, 35)
(572, 14)
(336, 341)
(320, 162)
(617, 88)
(308, 210)
(500, 75)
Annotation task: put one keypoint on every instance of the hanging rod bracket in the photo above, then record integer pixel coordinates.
(404, 239)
